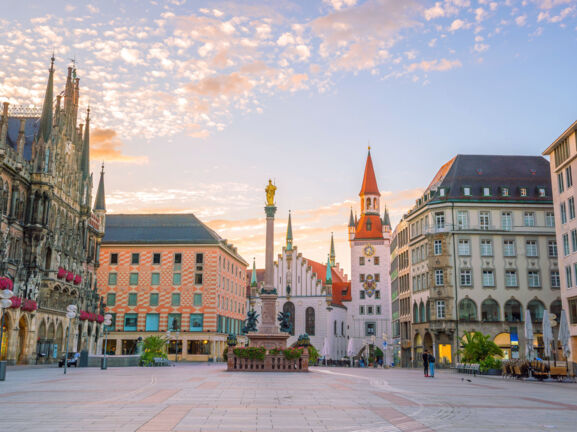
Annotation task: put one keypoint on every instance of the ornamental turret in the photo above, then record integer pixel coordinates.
(369, 225)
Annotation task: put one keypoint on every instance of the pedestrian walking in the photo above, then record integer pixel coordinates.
(426, 362)
(431, 366)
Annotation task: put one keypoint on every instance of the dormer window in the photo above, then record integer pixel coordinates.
(442, 192)
(523, 191)
(486, 191)
(505, 191)
(467, 191)
(369, 225)
(542, 192)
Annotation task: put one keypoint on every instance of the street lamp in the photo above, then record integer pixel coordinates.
(107, 323)
(5, 303)
(70, 314)
(176, 335)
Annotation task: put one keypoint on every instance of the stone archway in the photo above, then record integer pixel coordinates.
(59, 338)
(428, 342)
(6, 332)
(418, 347)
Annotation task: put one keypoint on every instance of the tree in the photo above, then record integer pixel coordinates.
(478, 347)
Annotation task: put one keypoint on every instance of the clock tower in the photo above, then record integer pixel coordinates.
(369, 314)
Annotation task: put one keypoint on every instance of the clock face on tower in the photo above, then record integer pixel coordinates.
(369, 250)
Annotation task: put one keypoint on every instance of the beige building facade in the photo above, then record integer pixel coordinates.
(563, 154)
(482, 251)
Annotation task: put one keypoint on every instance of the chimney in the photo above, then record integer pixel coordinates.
(21, 141)
(4, 125)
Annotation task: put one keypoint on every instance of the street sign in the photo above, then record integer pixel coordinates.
(71, 308)
(71, 315)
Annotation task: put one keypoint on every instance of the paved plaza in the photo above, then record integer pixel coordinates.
(204, 397)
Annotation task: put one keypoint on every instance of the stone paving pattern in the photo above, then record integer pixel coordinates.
(204, 397)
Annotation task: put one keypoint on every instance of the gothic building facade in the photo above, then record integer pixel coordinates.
(49, 231)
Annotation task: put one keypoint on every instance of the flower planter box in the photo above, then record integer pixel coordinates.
(271, 363)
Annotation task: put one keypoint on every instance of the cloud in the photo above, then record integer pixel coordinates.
(434, 65)
(221, 85)
(105, 145)
(550, 4)
(340, 4)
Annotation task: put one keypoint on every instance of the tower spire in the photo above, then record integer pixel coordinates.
(329, 275)
(332, 255)
(253, 280)
(85, 164)
(100, 202)
(369, 180)
(387, 219)
(47, 108)
(289, 234)
(351, 219)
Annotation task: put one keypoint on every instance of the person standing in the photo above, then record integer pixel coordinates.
(426, 362)
(431, 365)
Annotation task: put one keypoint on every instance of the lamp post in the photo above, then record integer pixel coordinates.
(70, 314)
(5, 303)
(176, 335)
(107, 323)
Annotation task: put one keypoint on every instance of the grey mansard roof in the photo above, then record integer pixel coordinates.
(158, 228)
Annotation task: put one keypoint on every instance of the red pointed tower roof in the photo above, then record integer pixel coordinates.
(369, 180)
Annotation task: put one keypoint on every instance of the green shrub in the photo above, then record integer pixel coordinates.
(154, 347)
(490, 363)
(274, 351)
(292, 353)
(254, 353)
(313, 354)
(477, 347)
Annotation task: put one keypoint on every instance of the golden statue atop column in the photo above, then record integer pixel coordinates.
(270, 191)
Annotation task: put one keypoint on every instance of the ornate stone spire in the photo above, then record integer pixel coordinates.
(289, 234)
(253, 280)
(387, 219)
(332, 255)
(47, 108)
(351, 219)
(369, 186)
(85, 163)
(100, 202)
(329, 275)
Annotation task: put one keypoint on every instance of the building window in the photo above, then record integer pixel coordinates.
(197, 299)
(362, 277)
(370, 329)
(310, 321)
(490, 311)
(542, 192)
(563, 213)
(555, 279)
(531, 248)
(507, 221)
(440, 309)
(377, 260)
(513, 311)
(369, 310)
(571, 208)
(196, 321)
(573, 240)
(467, 310)
(361, 310)
(529, 219)
(466, 278)
(560, 182)
(135, 259)
(486, 191)
(438, 247)
(440, 220)
(505, 191)
(152, 322)
(569, 176)
(523, 191)
(174, 321)
(486, 248)
(156, 258)
(112, 279)
(155, 279)
(569, 276)
(361, 260)
(467, 190)
(484, 220)
(534, 281)
(572, 310)
(130, 322)
(442, 192)
(439, 278)
(509, 248)
(200, 258)
(153, 299)
(566, 244)
(175, 299)
(177, 258)
(464, 248)
(132, 299)
(511, 279)
(176, 278)
(113, 258)
(552, 248)
(133, 279)
(362, 294)
(536, 309)
(377, 294)
(550, 219)
(110, 299)
(488, 278)
(198, 279)
(462, 219)
(377, 310)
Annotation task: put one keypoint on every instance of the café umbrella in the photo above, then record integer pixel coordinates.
(564, 335)
(351, 349)
(547, 334)
(325, 351)
(528, 335)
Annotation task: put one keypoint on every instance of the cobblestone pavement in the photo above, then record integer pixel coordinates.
(204, 397)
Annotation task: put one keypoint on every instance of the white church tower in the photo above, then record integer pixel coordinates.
(369, 313)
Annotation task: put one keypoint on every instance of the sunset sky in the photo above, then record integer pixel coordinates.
(195, 104)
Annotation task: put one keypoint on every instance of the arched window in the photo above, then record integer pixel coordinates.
(415, 313)
(490, 311)
(342, 328)
(422, 312)
(375, 203)
(368, 203)
(428, 311)
(536, 309)
(335, 327)
(555, 308)
(513, 311)
(289, 307)
(467, 310)
(310, 321)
